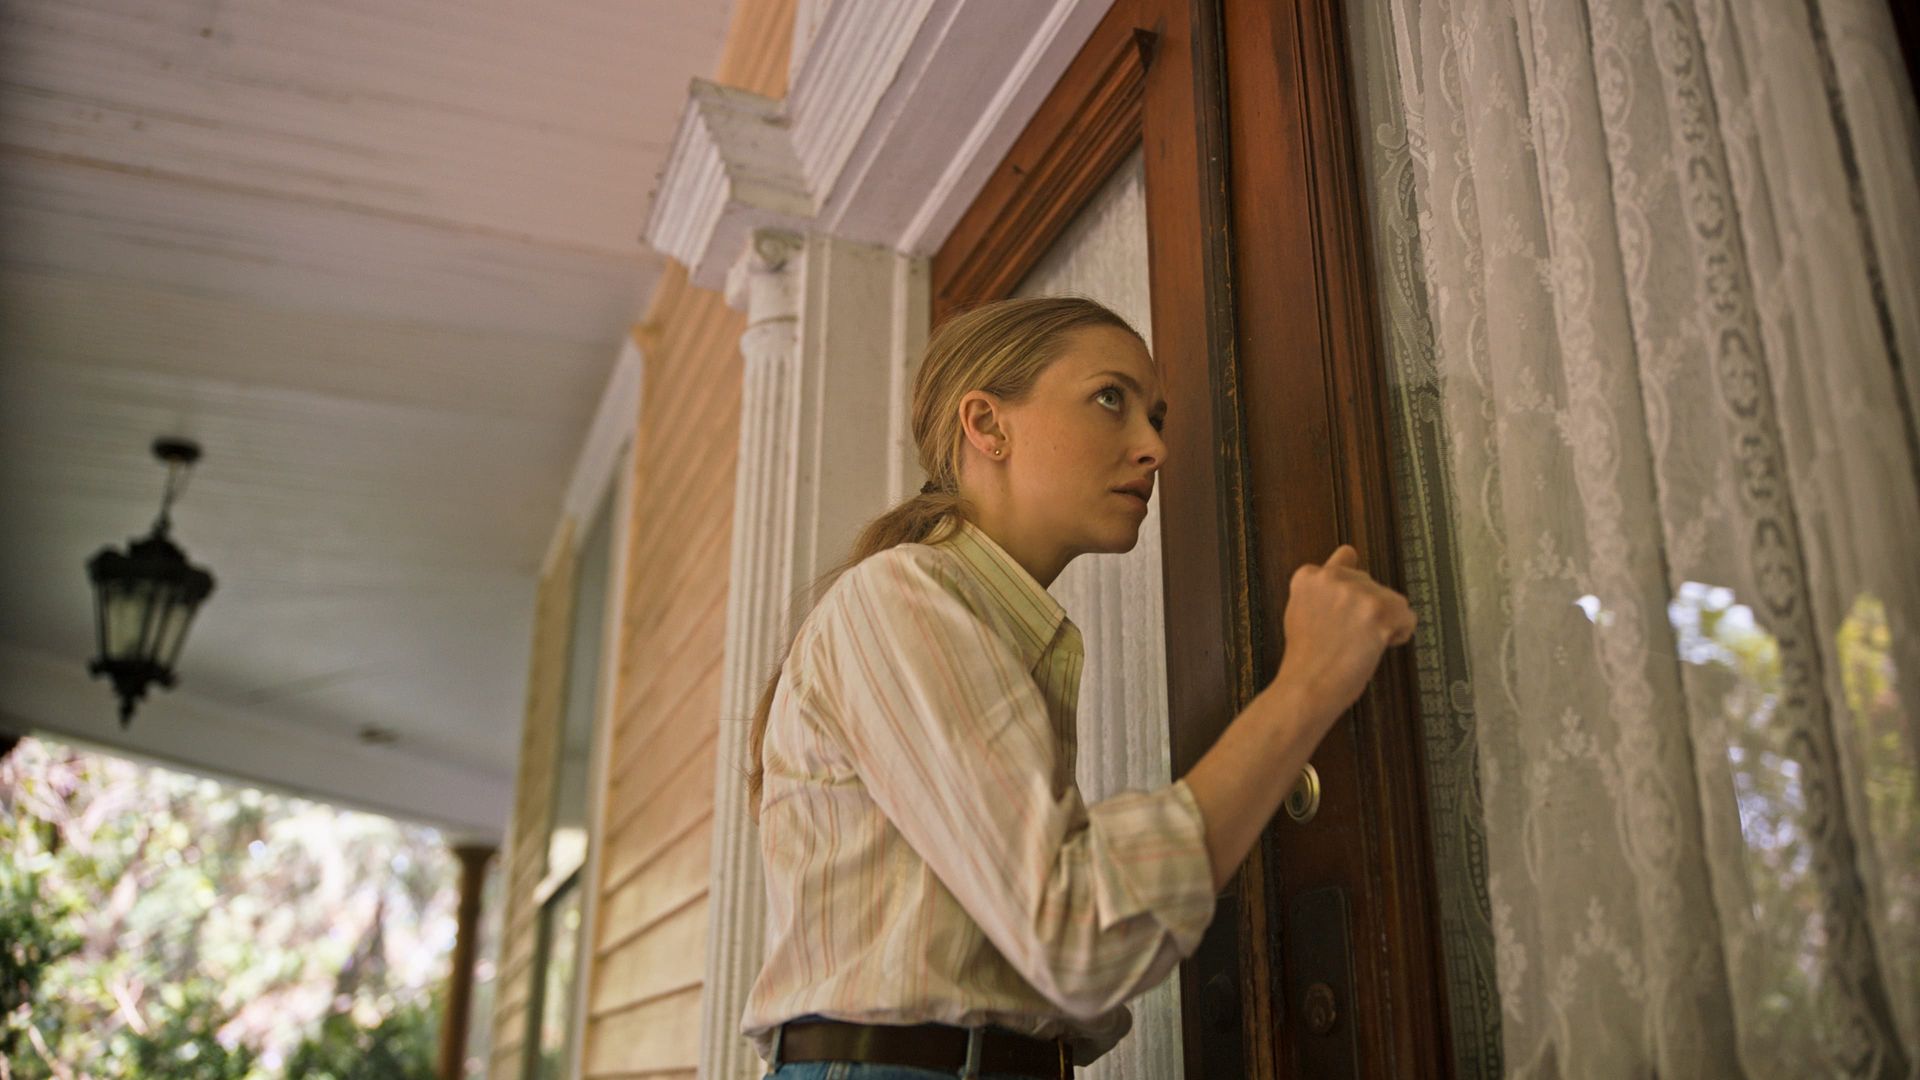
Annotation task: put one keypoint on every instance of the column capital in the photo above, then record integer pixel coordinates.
(763, 281)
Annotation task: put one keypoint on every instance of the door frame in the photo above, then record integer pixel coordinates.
(1150, 76)
(1308, 330)
(1155, 74)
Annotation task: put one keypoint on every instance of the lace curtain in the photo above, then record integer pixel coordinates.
(1651, 271)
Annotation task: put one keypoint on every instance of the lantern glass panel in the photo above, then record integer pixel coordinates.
(100, 618)
(156, 593)
(128, 603)
(173, 631)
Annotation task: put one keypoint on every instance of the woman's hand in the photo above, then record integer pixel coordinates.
(1339, 621)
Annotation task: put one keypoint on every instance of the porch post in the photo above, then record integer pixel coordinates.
(766, 282)
(453, 1026)
(823, 355)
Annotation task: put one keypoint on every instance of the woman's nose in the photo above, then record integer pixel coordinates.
(1154, 452)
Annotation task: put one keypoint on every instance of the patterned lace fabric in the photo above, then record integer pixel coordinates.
(1651, 281)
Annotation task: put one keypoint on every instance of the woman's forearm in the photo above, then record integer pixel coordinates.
(1240, 782)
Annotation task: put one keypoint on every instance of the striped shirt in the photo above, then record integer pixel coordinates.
(928, 856)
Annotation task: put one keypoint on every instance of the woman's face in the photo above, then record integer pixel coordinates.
(1080, 454)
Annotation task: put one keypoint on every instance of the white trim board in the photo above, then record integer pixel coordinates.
(605, 713)
(603, 452)
(955, 105)
(614, 422)
(898, 113)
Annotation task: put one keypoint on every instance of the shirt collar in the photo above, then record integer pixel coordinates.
(1034, 613)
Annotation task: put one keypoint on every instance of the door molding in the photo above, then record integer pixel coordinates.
(1318, 451)
(1082, 131)
(1261, 300)
(1150, 75)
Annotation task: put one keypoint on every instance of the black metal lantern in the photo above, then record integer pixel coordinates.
(145, 597)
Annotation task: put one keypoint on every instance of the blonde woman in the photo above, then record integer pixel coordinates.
(941, 902)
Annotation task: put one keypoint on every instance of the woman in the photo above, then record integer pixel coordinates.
(940, 899)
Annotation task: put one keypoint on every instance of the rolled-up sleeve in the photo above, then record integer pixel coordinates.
(951, 736)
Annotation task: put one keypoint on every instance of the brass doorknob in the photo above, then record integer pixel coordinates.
(1303, 802)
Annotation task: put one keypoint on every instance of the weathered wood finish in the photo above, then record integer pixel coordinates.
(1316, 440)
(532, 809)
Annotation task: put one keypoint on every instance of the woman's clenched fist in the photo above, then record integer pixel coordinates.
(1338, 623)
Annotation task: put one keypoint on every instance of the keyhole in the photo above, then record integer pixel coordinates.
(1321, 1011)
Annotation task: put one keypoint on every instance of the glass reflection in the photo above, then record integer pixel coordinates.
(1736, 672)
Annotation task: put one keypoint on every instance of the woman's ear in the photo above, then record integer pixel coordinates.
(980, 422)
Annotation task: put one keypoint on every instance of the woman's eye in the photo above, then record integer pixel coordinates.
(1109, 394)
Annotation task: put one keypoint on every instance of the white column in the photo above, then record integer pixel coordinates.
(766, 282)
(814, 421)
(848, 345)
(912, 311)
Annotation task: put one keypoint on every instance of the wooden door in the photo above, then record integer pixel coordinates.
(1348, 896)
(1133, 88)
(1321, 961)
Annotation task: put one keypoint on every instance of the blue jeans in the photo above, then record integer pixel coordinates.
(848, 1070)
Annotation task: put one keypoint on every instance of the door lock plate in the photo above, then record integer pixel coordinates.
(1319, 985)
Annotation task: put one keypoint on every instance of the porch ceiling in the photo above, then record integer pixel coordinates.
(378, 259)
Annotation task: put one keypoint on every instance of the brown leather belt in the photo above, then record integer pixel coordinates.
(965, 1052)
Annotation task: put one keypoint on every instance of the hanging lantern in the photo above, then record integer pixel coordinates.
(146, 596)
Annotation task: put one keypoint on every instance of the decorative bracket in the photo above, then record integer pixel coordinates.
(732, 171)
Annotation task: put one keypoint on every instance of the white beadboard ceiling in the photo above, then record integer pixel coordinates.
(378, 257)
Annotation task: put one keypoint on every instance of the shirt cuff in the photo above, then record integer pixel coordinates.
(1150, 857)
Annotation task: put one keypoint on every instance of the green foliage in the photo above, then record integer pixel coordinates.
(157, 925)
(185, 1044)
(32, 939)
(1785, 901)
(399, 1046)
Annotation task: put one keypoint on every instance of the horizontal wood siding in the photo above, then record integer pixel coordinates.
(651, 1041)
(650, 930)
(650, 933)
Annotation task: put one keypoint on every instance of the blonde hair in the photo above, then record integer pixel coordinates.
(1001, 348)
